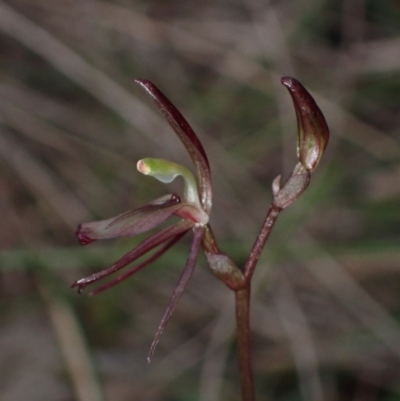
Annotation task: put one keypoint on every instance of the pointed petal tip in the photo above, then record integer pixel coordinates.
(143, 82)
(287, 81)
(157, 337)
(79, 286)
(139, 80)
(291, 83)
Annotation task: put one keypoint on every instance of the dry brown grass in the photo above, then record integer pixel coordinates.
(73, 125)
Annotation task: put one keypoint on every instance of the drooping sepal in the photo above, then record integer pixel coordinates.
(145, 246)
(140, 266)
(180, 286)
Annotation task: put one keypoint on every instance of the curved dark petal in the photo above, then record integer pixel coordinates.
(146, 262)
(180, 286)
(188, 138)
(313, 131)
(144, 247)
(130, 223)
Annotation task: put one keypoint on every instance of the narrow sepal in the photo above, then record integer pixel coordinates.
(144, 247)
(180, 287)
(140, 266)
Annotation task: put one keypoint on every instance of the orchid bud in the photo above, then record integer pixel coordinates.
(313, 132)
(166, 171)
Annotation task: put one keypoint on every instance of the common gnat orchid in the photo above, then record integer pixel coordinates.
(193, 207)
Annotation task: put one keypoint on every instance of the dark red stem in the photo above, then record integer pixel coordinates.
(262, 237)
(242, 300)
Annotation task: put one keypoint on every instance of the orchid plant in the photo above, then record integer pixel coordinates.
(193, 208)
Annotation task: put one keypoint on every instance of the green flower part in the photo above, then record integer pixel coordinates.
(166, 171)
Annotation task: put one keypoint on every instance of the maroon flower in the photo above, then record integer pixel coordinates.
(193, 207)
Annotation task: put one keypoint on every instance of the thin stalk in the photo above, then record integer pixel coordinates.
(242, 300)
(272, 215)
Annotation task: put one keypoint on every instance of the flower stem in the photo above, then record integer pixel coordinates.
(272, 215)
(242, 300)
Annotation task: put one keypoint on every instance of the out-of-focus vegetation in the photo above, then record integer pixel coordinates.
(326, 299)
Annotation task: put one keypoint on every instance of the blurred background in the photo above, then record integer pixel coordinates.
(326, 293)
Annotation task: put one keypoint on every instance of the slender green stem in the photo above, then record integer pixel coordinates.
(272, 215)
(242, 300)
